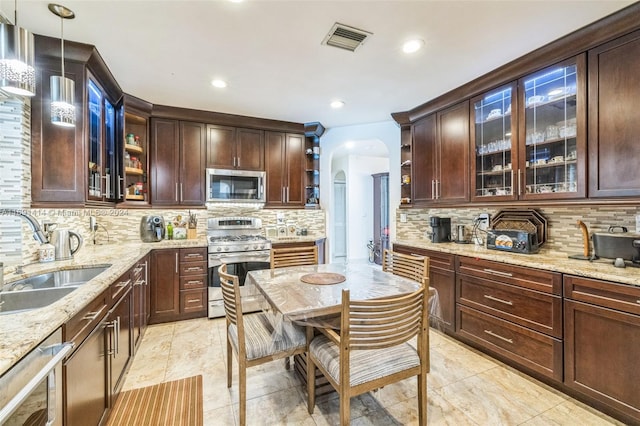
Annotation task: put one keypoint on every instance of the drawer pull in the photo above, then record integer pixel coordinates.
(491, 333)
(139, 282)
(194, 301)
(93, 315)
(503, 274)
(123, 284)
(194, 268)
(193, 255)
(495, 299)
(194, 282)
(638, 301)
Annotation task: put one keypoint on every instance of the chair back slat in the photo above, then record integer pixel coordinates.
(413, 267)
(294, 256)
(232, 304)
(381, 323)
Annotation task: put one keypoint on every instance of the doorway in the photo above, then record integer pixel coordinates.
(380, 215)
(340, 218)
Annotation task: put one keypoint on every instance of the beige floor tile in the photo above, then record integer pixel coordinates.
(570, 413)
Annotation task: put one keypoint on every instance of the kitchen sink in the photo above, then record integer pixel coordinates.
(42, 290)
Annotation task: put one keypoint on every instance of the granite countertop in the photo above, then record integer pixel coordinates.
(22, 331)
(602, 269)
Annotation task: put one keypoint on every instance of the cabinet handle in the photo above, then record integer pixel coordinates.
(495, 299)
(503, 274)
(287, 194)
(638, 301)
(519, 182)
(146, 274)
(194, 282)
(438, 189)
(181, 199)
(117, 331)
(194, 268)
(123, 283)
(93, 315)
(433, 189)
(177, 192)
(106, 185)
(139, 282)
(111, 350)
(176, 263)
(193, 255)
(193, 301)
(237, 161)
(120, 188)
(491, 333)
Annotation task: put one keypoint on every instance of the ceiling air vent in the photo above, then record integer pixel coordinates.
(346, 37)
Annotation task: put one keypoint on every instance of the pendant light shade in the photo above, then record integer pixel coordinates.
(17, 72)
(63, 110)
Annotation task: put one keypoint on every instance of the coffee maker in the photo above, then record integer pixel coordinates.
(152, 229)
(441, 229)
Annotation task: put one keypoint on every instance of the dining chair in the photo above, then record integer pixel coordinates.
(294, 256)
(252, 337)
(413, 267)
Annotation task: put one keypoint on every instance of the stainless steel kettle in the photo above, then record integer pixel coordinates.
(61, 240)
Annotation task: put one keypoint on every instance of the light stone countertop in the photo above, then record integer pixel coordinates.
(602, 269)
(22, 331)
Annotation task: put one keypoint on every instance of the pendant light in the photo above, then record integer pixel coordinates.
(63, 110)
(17, 73)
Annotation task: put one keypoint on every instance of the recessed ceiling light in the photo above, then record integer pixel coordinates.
(236, 1)
(337, 104)
(219, 83)
(412, 46)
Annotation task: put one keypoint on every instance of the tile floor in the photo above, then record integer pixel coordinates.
(465, 387)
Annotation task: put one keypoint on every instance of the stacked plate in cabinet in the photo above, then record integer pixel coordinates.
(528, 220)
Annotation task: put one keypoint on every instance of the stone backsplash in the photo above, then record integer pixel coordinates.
(563, 234)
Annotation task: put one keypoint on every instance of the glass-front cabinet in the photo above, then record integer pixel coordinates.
(494, 118)
(529, 137)
(552, 128)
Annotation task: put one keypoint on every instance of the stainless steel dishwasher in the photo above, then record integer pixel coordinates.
(31, 391)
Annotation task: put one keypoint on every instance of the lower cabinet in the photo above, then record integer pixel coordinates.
(140, 302)
(442, 277)
(119, 349)
(512, 311)
(178, 281)
(602, 343)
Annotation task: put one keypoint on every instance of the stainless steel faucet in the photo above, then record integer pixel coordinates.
(38, 235)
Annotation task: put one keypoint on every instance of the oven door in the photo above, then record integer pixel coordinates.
(237, 264)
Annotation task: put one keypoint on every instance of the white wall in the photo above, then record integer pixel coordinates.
(358, 169)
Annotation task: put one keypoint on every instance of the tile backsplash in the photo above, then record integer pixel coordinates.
(563, 234)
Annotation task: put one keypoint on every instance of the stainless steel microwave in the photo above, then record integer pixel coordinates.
(235, 186)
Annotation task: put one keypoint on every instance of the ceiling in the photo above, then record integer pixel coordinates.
(270, 52)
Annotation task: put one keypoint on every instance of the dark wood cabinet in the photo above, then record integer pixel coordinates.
(178, 282)
(614, 128)
(140, 302)
(440, 157)
(602, 343)
(442, 277)
(285, 167)
(135, 185)
(119, 350)
(177, 163)
(511, 311)
(235, 148)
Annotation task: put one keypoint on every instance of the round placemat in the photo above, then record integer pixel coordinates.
(322, 278)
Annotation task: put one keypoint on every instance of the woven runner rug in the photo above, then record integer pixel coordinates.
(176, 403)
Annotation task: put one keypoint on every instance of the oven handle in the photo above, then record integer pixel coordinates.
(62, 351)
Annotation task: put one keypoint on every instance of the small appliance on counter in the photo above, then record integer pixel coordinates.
(512, 240)
(441, 229)
(616, 243)
(61, 241)
(152, 229)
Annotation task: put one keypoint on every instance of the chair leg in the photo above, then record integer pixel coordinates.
(229, 363)
(242, 381)
(422, 399)
(311, 384)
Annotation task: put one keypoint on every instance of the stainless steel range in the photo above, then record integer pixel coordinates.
(238, 242)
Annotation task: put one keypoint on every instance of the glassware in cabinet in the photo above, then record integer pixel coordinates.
(554, 131)
(493, 137)
(136, 148)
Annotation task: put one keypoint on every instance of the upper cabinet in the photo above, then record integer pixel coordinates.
(76, 166)
(614, 124)
(285, 164)
(136, 151)
(235, 148)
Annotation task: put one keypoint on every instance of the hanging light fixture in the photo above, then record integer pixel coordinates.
(17, 73)
(63, 110)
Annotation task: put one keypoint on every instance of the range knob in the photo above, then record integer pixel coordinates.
(218, 248)
(226, 249)
(246, 248)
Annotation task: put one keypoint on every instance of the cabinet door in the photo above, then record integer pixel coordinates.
(614, 90)
(295, 169)
(86, 381)
(494, 145)
(192, 163)
(552, 127)
(119, 344)
(602, 348)
(221, 152)
(275, 166)
(165, 157)
(95, 142)
(165, 286)
(250, 149)
(422, 166)
(453, 154)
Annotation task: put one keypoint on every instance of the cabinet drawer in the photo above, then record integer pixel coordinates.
(539, 311)
(79, 327)
(533, 350)
(437, 259)
(621, 297)
(193, 268)
(193, 301)
(534, 279)
(193, 254)
(119, 288)
(194, 282)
